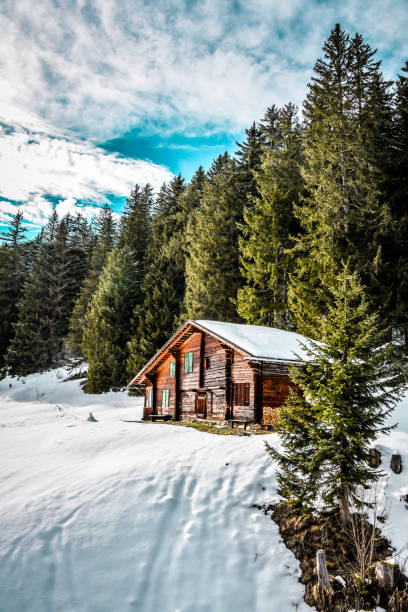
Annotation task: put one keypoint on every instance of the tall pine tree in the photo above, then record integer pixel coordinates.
(106, 326)
(104, 232)
(44, 307)
(12, 272)
(345, 214)
(269, 223)
(164, 283)
(212, 267)
(348, 387)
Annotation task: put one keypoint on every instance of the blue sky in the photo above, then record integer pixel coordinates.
(99, 95)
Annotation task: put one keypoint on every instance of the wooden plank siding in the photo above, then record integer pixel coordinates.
(275, 390)
(242, 372)
(164, 381)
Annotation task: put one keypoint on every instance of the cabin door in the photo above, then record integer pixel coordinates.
(201, 405)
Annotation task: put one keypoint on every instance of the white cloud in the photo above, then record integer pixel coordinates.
(40, 162)
(100, 68)
(105, 66)
(70, 207)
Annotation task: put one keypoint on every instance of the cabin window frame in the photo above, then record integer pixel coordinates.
(241, 394)
(188, 362)
(165, 403)
(149, 397)
(172, 368)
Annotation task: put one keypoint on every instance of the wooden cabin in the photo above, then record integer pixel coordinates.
(220, 371)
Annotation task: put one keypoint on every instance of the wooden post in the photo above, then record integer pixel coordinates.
(257, 373)
(322, 573)
(201, 370)
(176, 413)
(228, 398)
(151, 379)
(396, 464)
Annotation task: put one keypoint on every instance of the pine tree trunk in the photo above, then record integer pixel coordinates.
(344, 506)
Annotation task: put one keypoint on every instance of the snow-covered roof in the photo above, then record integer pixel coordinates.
(258, 341)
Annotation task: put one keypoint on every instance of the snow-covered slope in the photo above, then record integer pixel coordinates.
(115, 516)
(394, 487)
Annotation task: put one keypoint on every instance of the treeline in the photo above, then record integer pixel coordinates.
(258, 238)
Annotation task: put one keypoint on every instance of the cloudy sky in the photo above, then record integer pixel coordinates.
(99, 95)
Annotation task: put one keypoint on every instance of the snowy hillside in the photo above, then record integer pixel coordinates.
(114, 516)
(117, 516)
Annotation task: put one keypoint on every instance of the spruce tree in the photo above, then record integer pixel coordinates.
(106, 326)
(190, 202)
(212, 267)
(44, 308)
(164, 282)
(398, 246)
(135, 224)
(103, 230)
(248, 158)
(348, 385)
(269, 224)
(12, 270)
(345, 214)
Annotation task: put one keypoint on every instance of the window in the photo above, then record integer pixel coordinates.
(172, 368)
(165, 398)
(149, 397)
(240, 394)
(188, 362)
(206, 363)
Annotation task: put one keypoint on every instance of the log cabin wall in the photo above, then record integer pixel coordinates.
(242, 372)
(148, 407)
(275, 390)
(163, 380)
(189, 381)
(214, 377)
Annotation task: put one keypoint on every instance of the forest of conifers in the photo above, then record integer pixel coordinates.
(257, 238)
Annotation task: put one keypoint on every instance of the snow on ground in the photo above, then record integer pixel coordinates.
(395, 486)
(116, 516)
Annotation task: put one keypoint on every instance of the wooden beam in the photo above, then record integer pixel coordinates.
(201, 371)
(257, 373)
(228, 393)
(175, 354)
(151, 378)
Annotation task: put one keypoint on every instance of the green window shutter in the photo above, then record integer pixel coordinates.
(188, 362)
(172, 368)
(165, 398)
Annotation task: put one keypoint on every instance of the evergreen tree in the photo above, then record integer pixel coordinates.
(12, 270)
(398, 246)
(44, 307)
(135, 226)
(106, 328)
(348, 388)
(104, 230)
(190, 202)
(164, 282)
(345, 215)
(212, 267)
(248, 157)
(269, 224)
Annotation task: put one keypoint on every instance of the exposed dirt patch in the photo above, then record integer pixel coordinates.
(304, 535)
